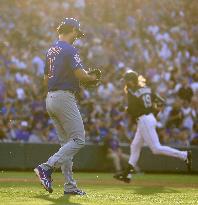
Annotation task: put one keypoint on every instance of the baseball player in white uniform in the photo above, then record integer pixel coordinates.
(142, 109)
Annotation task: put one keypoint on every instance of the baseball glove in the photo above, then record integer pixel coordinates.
(97, 72)
(95, 83)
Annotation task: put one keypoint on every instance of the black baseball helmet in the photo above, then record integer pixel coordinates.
(70, 23)
(131, 76)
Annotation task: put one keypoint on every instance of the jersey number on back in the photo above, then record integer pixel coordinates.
(51, 54)
(51, 67)
(147, 100)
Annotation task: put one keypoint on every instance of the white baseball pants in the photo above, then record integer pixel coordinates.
(146, 132)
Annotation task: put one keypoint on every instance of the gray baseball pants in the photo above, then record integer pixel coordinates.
(63, 110)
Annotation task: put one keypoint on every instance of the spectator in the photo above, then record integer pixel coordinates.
(38, 65)
(175, 118)
(106, 90)
(189, 116)
(35, 137)
(194, 84)
(162, 45)
(97, 55)
(11, 131)
(2, 131)
(185, 92)
(194, 136)
(22, 78)
(22, 132)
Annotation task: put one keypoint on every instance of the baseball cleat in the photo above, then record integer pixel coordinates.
(123, 177)
(189, 160)
(126, 175)
(44, 177)
(75, 192)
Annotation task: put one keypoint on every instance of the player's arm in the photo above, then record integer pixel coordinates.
(80, 73)
(86, 78)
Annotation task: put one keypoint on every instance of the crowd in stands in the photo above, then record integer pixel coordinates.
(156, 38)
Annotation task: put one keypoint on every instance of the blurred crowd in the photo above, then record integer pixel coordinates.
(156, 38)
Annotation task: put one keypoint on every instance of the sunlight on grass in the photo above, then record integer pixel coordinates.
(24, 189)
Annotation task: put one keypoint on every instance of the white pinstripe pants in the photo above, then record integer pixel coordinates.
(146, 132)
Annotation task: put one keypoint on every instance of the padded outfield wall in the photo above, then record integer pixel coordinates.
(19, 156)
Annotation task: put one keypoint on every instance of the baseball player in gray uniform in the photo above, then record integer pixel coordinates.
(143, 105)
(63, 73)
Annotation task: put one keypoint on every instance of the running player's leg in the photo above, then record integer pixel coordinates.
(135, 147)
(148, 131)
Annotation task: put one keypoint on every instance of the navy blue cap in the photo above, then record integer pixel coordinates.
(74, 23)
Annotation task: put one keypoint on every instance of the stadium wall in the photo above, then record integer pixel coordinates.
(19, 156)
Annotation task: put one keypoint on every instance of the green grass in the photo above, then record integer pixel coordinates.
(23, 188)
